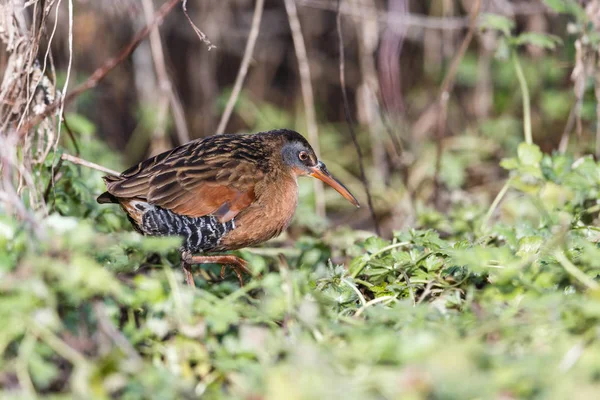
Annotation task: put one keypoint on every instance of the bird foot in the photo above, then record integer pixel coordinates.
(237, 269)
(237, 264)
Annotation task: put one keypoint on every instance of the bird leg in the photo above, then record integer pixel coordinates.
(189, 278)
(237, 264)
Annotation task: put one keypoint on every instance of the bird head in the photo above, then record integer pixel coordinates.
(300, 157)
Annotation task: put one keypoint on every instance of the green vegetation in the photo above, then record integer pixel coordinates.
(494, 294)
(508, 307)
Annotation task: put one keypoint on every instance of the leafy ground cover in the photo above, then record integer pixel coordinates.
(484, 299)
(466, 306)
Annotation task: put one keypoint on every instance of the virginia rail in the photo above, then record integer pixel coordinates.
(219, 193)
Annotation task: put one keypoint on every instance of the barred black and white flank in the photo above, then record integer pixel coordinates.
(200, 234)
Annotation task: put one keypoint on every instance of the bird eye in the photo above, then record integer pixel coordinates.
(303, 156)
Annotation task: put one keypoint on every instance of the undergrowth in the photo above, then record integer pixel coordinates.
(463, 307)
(479, 301)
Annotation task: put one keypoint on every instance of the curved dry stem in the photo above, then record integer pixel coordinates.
(239, 80)
(349, 122)
(307, 95)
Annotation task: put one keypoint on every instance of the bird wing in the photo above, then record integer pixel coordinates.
(195, 179)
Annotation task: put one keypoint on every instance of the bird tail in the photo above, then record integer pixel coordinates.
(106, 197)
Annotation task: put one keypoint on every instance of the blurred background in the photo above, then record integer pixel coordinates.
(175, 87)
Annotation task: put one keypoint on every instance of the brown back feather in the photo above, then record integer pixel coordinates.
(213, 176)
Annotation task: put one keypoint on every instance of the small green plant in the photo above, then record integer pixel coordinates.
(507, 49)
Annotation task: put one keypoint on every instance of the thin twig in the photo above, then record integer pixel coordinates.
(69, 65)
(495, 204)
(101, 72)
(61, 110)
(164, 82)
(425, 292)
(446, 89)
(364, 263)
(358, 293)
(71, 136)
(160, 140)
(46, 55)
(239, 80)
(200, 34)
(564, 139)
(89, 164)
(107, 326)
(597, 94)
(54, 177)
(376, 300)
(307, 95)
(363, 176)
(183, 134)
(387, 85)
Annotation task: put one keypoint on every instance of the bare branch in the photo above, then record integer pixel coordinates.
(446, 88)
(161, 142)
(349, 122)
(307, 95)
(200, 34)
(109, 329)
(89, 164)
(239, 81)
(101, 72)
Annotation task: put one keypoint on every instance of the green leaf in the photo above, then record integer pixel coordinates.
(80, 124)
(529, 245)
(509, 163)
(543, 40)
(375, 243)
(557, 5)
(529, 154)
(497, 22)
(566, 7)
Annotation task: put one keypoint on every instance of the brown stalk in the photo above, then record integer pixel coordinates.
(239, 80)
(164, 82)
(307, 95)
(89, 164)
(200, 34)
(160, 141)
(446, 89)
(107, 327)
(101, 72)
(348, 115)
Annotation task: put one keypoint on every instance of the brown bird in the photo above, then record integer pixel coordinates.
(219, 193)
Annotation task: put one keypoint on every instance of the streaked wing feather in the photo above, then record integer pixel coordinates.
(193, 180)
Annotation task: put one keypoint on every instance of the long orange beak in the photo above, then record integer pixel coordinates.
(320, 172)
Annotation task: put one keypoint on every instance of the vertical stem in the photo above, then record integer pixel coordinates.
(166, 92)
(597, 94)
(525, 94)
(348, 115)
(444, 96)
(160, 86)
(239, 80)
(495, 203)
(307, 95)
